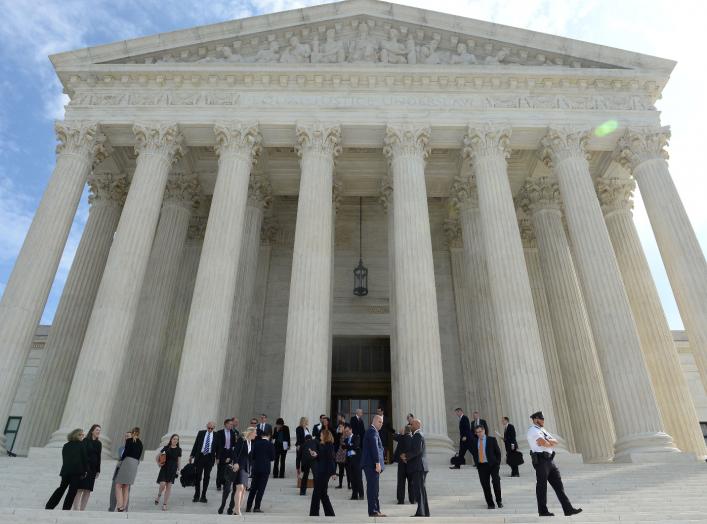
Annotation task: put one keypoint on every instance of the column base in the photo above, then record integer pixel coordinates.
(648, 447)
(439, 448)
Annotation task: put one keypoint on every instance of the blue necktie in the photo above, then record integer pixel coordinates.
(207, 446)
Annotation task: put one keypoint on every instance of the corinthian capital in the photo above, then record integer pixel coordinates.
(318, 138)
(259, 191)
(562, 143)
(463, 192)
(385, 198)
(539, 193)
(238, 138)
(82, 138)
(640, 145)
(182, 189)
(615, 194)
(407, 139)
(487, 139)
(160, 138)
(107, 188)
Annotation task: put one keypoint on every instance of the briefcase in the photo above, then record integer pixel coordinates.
(188, 475)
(514, 458)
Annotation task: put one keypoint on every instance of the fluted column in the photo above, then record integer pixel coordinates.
(419, 355)
(237, 360)
(462, 301)
(584, 386)
(526, 381)
(96, 383)
(633, 405)
(171, 354)
(486, 356)
(150, 329)
(643, 152)
(671, 390)
(206, 339)
(547, 333)
(61, 351)
(308, 344)
(80, 146)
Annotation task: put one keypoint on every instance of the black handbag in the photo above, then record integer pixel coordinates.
(188, 475)
(515, 458)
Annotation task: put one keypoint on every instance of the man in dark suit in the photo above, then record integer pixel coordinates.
(307, 462)
(317, 429)
(358, 426)
(352, 445)
(465, 437)
(477, 421)
(263, 425)
(372, 463)
(262, 453)
(203, 454)
(488, 463)
(416, 461)
(224, 440)
(386, 433)
(511, 445)
(404, 440)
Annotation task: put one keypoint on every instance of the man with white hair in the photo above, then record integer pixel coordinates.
(372, 463)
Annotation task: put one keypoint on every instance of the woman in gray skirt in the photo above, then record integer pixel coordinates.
(127, 469)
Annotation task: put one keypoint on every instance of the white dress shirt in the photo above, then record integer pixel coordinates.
(534, 433)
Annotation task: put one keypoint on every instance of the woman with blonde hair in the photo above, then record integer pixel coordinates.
(168, 461)
(239, 472)
(73, 468)
(127, 469)
(93, 448)
(301, 432)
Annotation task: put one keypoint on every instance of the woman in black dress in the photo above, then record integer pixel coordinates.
(281, 439)
(301, 431)
(168, 460)
(93, 448)
(324, 469)
(73, 468)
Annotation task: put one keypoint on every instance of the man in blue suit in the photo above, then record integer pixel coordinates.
(372, 464)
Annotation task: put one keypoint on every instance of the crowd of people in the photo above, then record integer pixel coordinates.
(352, 449)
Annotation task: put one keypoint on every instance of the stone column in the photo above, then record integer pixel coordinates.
(419, 355)
(80, 145)
(61, 352)
(237, 360)
(671, 390)
(150, 330)
(171, 354)
(96, 384)
(584, 385)
(462, 301)
(486, 357)
(525, 379)
(637, 421)
(643, 152)
(308, 344)
(206, 340)
(547, 333)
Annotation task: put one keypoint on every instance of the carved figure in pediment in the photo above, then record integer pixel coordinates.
(498, 58)
(411, 50)
(364, 48)
(540, 59)
(463, 55)
(230, 56)
(167, 57)
(331, 52)
(271, 54)
(392, 51)
(296, 53)
(428, 52)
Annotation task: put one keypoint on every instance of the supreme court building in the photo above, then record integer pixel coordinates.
(239, 172)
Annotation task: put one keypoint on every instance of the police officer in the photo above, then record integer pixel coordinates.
(542, 454)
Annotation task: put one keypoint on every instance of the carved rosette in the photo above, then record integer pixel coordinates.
(640, 145)
(107, 188)
(487, 140)
(562, 143)
(269, 230)
(83, 139)
(407, 140)
(319, 138)
(182, 189)
(463, 192)
(259, 191)
(385, 198)
(197, 228)
(241, 139)
(540, 194)
(615, 194)
(453, 231)
(159, 138)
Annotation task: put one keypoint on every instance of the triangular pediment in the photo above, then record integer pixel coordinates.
(360, 32)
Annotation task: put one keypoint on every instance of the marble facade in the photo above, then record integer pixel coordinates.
(495, 167)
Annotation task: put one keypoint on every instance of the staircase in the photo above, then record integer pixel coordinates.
(606, 492)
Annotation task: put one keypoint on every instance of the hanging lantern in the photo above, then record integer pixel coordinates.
(360, 272)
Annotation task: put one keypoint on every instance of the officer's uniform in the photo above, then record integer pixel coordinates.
(545, 469)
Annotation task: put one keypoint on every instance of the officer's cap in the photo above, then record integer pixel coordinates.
(537, 414)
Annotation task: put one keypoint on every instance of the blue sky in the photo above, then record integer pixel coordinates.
(31, 98)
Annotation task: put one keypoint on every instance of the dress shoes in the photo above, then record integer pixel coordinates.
(547, 514)
(455, 467)
(203, 499)
(257, 510)
(220, 510)
(573, 511)
(499, 505)
(491, 506)
(195, 499)
(247, 510)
